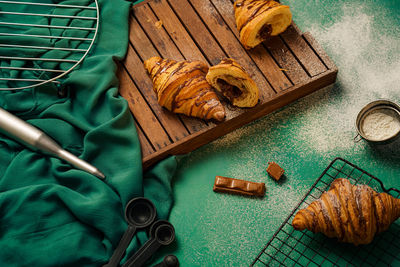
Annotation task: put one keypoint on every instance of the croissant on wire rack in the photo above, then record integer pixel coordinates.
(353, 214)
(257, 20)
(231, 80)
(181, 87)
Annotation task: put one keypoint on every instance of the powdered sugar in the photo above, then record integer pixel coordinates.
(381, 124)
(302, 137)
(236, 224)
(365, 56)
(325, 120)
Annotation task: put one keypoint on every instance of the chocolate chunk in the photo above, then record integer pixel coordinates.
(265, 31)
(236, 186)
(275, 171)
(228, 90)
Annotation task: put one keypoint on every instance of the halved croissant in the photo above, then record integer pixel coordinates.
(256, 20)
(353, 214)
(231, 80)
(181, 87)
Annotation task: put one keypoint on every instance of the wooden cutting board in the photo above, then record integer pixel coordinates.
(285, 68)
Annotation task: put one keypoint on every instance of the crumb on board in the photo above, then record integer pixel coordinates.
(158, 24)
(283, 69)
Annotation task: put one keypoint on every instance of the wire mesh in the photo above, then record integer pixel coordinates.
(42, 41)
(289, 247)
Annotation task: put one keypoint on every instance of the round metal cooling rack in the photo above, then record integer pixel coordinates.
(42, 41)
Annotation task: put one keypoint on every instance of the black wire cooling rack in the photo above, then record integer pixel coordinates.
(289, 247)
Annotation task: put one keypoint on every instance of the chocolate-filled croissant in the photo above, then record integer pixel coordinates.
(231, 80)
(352, 214)
(181, 87)
(256, 20)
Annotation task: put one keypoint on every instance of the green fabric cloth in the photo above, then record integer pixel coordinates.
(51, 213)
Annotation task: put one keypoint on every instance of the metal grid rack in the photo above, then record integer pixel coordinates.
(289, 247)
(41, 41)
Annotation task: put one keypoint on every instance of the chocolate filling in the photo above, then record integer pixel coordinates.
(228, 90)
(265, 31)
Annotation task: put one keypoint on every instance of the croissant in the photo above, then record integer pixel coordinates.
(353, 214)
(257, 20)
(181, 87)
(231, 80)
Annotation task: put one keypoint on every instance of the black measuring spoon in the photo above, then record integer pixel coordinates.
(162, 233)
(168, 261)
(139, 213)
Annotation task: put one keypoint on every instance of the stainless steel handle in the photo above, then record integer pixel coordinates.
(14, 127)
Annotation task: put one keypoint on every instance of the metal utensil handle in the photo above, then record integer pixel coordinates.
(168, 261)
(36, 139)
(357, 138)
(143, 254)
(15, 127)
(122, 246)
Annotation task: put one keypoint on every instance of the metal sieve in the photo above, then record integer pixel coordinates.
(381, 104)
(42, 41)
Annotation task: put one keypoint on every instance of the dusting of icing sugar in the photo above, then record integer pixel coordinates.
(325, 120)
(364, 66)
(320, 126)
(366, 72)
(235, 223)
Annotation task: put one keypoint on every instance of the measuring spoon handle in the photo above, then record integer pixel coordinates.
(168, 261)
(143, 254)
(121, 248)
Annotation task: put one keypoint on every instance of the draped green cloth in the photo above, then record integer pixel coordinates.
(51, 213)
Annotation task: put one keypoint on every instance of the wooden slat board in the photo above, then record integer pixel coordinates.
(285, 68)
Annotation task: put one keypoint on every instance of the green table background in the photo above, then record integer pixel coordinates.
(362, 38)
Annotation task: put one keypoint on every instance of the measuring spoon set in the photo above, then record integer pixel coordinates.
(140, 214)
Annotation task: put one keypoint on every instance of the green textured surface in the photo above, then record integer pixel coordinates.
(362, 38)
(51, 213)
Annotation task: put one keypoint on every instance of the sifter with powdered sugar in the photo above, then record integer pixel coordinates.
(379, 122)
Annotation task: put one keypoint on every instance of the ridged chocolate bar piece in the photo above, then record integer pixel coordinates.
(236, 186)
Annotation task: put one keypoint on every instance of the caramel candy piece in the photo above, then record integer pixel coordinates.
(275, 171)
(236, 186)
